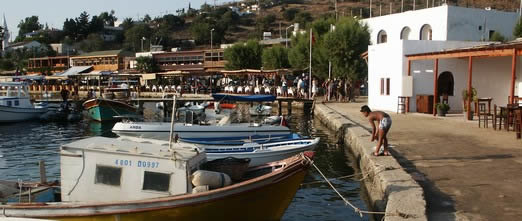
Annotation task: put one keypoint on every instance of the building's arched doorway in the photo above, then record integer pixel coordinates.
(445, 85)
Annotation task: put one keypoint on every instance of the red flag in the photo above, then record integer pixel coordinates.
(313, 38)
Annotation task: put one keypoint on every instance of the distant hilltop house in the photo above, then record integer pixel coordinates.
(110, 33)
(29, 45)
(63, 49)
(394, 71)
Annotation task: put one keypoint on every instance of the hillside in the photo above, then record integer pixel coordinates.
(320, 8)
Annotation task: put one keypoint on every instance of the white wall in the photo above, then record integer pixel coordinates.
(463, 23)
(388, 61)
(385, 61)
(447, 22)
(394, 23)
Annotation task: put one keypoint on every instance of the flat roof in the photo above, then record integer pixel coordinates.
(183, 151)
(488, 50)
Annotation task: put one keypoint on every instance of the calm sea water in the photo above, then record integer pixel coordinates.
(22, 145)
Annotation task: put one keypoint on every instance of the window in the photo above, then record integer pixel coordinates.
(156, 181)
(16, 103)
(9, 103)
(387, 86)
(405, 33)
(491, 32)
(426, 32)
(382, 86)
(382, 37)
(108, 175)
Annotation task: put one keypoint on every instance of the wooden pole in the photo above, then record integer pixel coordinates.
(468, 102)
(513, 76)
(408, 98)
(435, 86)
(43, 176)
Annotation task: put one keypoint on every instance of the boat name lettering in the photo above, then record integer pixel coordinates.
(148, 164)
(123, 162)
(135, 127)
(144, 164)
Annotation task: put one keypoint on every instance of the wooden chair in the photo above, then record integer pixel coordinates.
(498, 117)
(401, 105)
(517, 121)
(510, 116)
(484, 114)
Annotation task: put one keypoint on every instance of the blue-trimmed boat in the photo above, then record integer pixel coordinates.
(244, 98)
(101, 109)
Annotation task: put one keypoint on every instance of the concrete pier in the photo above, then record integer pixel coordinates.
(390, 188)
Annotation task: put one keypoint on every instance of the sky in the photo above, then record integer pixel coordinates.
(54, 12)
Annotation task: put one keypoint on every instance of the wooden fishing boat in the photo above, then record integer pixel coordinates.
(100, 177)
(101, 109)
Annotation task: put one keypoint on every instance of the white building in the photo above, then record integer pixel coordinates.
(30, 45)
(431, 30)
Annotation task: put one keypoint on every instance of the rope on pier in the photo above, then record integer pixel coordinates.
(347, 202)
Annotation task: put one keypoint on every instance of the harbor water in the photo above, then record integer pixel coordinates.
(23, 145)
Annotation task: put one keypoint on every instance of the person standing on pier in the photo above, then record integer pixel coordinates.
(65, 94)
(385, 123)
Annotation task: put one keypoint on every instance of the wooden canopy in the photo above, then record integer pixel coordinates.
(510, 49)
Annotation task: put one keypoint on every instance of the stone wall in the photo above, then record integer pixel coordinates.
(389, 187)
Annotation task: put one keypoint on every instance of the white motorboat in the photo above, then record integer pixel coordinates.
(161, 130)
(15, 103)
(258, 154)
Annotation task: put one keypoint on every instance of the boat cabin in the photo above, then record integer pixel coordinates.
(14, 94)
(102, 169)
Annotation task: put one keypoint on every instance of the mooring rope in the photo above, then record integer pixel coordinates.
(347, 202)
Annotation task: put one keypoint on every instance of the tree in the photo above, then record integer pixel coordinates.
(275, 58)
(127, 23)
(134, 35)
(70, 28)
(298, 55)
(82, 25)
(517, 31)
(146, 65)
(28, 25)
(345, 46)
(147, 18)
(95, 25)
(290, 13)
(200, 32)
(243, 55)
(108, 18)
(303, 18)
(93, 42)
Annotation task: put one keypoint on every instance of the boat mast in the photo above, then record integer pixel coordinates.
(172, 121)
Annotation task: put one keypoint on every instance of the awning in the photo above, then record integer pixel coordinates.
(73, 71)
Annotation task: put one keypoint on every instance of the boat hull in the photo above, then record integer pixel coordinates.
(261, 157)
(13, 114)
(262, 198)
(161, 131)
(105, 110)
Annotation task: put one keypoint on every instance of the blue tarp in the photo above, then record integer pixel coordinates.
(244, 98)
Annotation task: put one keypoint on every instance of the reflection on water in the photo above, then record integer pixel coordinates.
(22, 145)
(317, 201)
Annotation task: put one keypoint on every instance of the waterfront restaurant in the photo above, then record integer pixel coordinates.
(112, 60)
